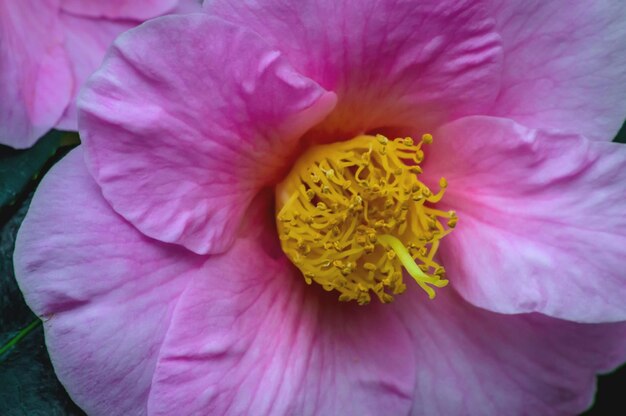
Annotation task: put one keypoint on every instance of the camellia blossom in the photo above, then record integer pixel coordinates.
(355, 208)
(48, 48)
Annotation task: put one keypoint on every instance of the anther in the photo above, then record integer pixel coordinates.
(354, 226)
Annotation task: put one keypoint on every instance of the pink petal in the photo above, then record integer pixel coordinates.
(564, 65)
(86, 41)
(542, 219)
(392, 63)
(119, 9)
(471, 361)
(187, 6)
(35, 78)
(251, 338)
(106, 293)
(187, 119)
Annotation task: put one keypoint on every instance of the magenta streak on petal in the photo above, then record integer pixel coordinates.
(391, 63)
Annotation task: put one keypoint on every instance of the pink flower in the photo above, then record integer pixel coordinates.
(152, 253)
(48, 48)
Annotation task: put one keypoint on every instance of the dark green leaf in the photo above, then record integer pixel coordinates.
(621, 135)
(19, 167)
(28, 384)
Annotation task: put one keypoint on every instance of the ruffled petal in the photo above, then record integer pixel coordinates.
(393, 63)
(182, 140)
(473, 362)
(564, 65)
(541, 219)
(105, 292)
(35, 78)
(119, 9)
(251, 338)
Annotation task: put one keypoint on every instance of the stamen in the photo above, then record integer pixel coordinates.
(351, 214)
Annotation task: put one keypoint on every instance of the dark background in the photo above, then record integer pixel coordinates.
(28, 385)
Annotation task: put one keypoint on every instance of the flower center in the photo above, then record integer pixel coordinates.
(351, 215)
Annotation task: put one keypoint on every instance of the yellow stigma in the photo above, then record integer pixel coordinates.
(352, 214)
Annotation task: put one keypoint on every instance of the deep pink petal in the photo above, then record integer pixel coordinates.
(251, 338)
(181, 140)
(473, 362)
(35, 77)
(104, 291)
(119, 9)
(392, 63)
(542, 219)
(564, 65)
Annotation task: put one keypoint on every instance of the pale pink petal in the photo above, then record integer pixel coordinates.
(187, 6)
(393, 63)
(182, 140)
(35, 77)
(86, 41)
(105, 292)
(541, 219)
(564, 65)
(119, 9)
(473, 362)
(251, 338)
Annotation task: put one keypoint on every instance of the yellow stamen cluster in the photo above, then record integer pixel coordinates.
(351, 214)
